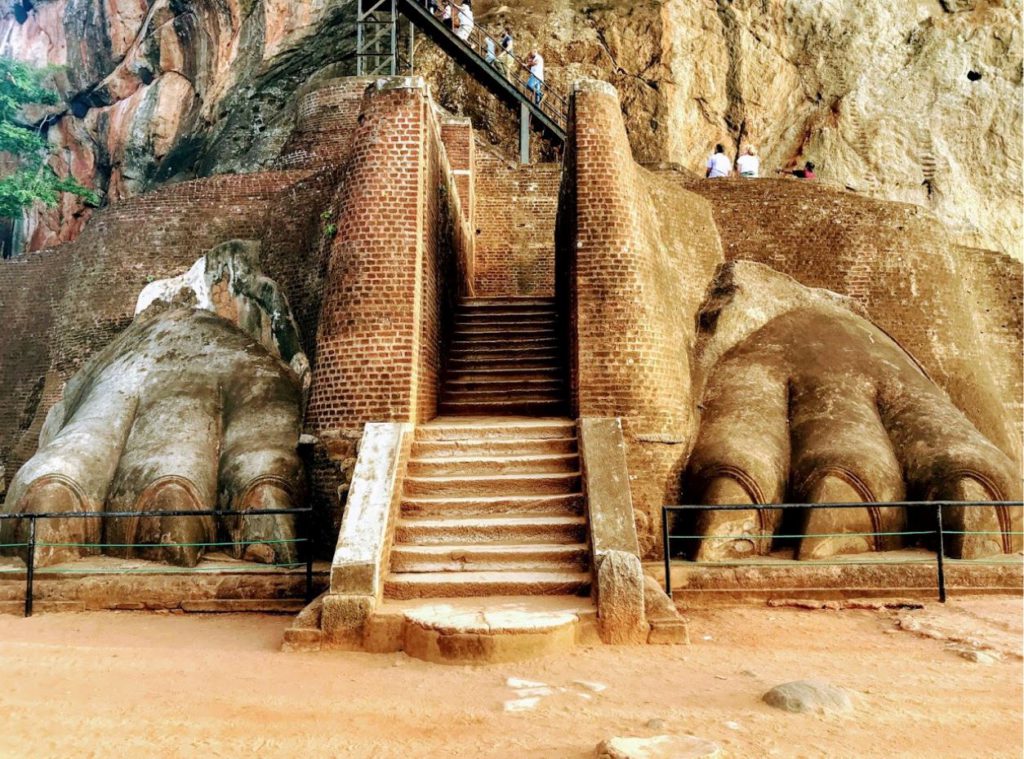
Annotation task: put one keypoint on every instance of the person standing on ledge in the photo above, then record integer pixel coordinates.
(536, 81)
(749, 165)
(719, 165)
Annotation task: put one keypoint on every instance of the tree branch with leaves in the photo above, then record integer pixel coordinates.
(31, 178)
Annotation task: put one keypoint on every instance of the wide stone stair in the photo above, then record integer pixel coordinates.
(504, 358)
(491, 508)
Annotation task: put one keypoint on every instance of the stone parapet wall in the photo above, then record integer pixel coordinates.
(516, 207)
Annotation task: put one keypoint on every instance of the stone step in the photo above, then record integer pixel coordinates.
(497, 365)
(482, 629)
(514, 447)
(487, 343)
(559, 504)
(498, 529)
(488, 382)
(499, 330)
(511, 407)
(467, 304)
(494, 485)
(505, 374)
(502, 395)
(493, 465)
(482, 428)
(463, 584)
(488, 558)
(549, 315)
(512, 353)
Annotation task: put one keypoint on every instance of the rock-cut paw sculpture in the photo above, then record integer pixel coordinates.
(196, 406)
(806, 401)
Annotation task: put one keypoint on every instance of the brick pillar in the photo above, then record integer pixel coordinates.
(457, 136)
(368, 336)
(634, 259)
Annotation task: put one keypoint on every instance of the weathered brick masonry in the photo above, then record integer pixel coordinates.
(634, 258)
(515, 224)
(402, 254)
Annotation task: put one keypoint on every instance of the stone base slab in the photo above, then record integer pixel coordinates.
(890, 574)
(104, 583)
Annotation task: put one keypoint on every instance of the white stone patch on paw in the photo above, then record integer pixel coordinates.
(590, 685)
(522, 704)
(516, 682)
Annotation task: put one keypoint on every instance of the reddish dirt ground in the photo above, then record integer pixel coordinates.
(169, 685)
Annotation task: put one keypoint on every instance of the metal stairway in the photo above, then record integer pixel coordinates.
(379, 50)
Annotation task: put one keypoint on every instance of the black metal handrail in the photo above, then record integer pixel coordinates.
(31, 543)
(938, 530)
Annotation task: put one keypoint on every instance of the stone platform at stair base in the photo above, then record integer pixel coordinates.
(891, 575)
(478, 630)
(103, 583)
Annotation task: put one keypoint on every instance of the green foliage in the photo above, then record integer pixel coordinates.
(31, 179)
(329, 228)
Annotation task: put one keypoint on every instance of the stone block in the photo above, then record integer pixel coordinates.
(620, 599)
(343, 620)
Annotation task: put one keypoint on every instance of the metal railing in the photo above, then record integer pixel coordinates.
(30, 545)
(936, 530)
(554, 105)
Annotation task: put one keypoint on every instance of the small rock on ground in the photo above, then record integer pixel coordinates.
(802, 696)
(658, 747)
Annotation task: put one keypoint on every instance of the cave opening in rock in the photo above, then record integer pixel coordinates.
(973, 75)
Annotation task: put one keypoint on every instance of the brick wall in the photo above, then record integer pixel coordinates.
(30, 285)
(393, 259)
(515, 226)
(993, 282)
(325, 123)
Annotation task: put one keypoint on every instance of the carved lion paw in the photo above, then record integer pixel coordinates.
(806, 401)
(192, 408)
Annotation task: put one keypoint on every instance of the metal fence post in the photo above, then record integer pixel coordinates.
(309, 557)
(30, 565)
(941, 570)
(668, 558)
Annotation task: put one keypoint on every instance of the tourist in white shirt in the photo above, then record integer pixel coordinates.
(536, 81)
(465, 20)
(719, 165)
(749, 165)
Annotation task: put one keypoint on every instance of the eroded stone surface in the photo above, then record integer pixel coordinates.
(658, 747)
(808, 696)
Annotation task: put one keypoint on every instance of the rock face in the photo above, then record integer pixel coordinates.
(159, 91)
(909, 101)
(880, 95)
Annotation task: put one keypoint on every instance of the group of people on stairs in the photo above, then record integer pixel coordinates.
(458, 17)
(748, 165)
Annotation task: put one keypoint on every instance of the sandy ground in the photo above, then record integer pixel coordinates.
(143, 684)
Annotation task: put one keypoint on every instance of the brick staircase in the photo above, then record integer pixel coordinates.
(492, 503)
(505, 358)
